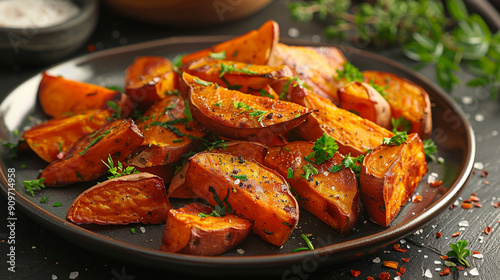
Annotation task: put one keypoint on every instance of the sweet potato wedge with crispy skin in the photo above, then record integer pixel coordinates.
(235, 75)
(406, 100)
(237, 115)
(254, 47)
(248, 150)
(59, 96)
(389, 176)
(253, 191)
(55, 137)
(136, 198)
(188, 233)
(83, 161)
(316, 66)
(363, 100)
(166, 133)
(353, 134)
(149, 78)
(331, 197)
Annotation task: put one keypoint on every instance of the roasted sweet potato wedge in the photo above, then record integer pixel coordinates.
(332, 197)
(389, 176)
(235, 75)
(255, 47)
(136, 198)
(253, 191)
(353, 134)
(248, 150)
(59, 96)
(406, 100)
(316, 66)
(55, 137)
(83, 161)
(167, 134)
(237, 115)
(363, 100)
(188, 233)
(149, 78)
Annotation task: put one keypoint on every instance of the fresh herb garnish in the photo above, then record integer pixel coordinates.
(309, 171)
(290, 174)
(286, 86)
(400, 124)
(350, 162)
(218, 103)
(132, 230)
(32, 185)
(117, 110)
(79, 176)
(459, 252)
(175, 92)
(240, 177)
(324, 148)
(222, 208)
(430, 149)
(187, 111)
(44, 199)
(116, 88)
(336, 168)
(226, 68)
(12, 147)
(263, 92)
(308, 243)
(396, 140)
(178, 61)
(258, 113)
(57, 204)
(92, 143)
(350, 73)
(219, 55)
(201, 82)
(118, 171)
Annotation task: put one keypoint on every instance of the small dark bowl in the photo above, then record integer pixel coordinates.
(46, 45)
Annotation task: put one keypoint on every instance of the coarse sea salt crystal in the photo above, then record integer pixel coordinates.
(73, 275)
(402, 241)
(437, 269)
(293, 32)
(143, 230)
(463, 224)
(428, 273)
(240, 251)
(478, 165)
(474, 272)
(437, 262)
(478, 256)
(479, 117)
(397, 278)
(54, 277)
(376, 260)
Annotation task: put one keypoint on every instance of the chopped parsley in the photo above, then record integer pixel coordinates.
(178, 60)
(116, 88)
(253, 112)
(118, 171)
(187, 111)
(57, 204)
(226, 68)
(309, 171)
(44, 199)
(459, 252)
(177, 140)
(240, 177)
(263, 92)
(32, 185)
(308, 243)
(298, 81)
(396, 140)
(290, 174)
(349, 162)
(258, 113)
(221, 209)
(13, 148)
(92, 143)
(400, 124)
(336, 168)
(324, 148)
(218, 104)
(201, 82)
(118, 110)
(350, 73)
(430, 149)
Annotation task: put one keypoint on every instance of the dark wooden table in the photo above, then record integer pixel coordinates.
(42, 254)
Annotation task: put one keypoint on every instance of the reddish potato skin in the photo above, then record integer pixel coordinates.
(59, 96)
(248, 150)
(263, 198)
(121, 137)
(148, 79)
(406, 99)
(187, 233)
(55, 137)
(389, 176)
(333, 198)
(254, 47)
(136, 198)
(229, 121)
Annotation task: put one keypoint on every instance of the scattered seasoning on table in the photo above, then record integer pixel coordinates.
(132, 230)
(398, 248)
(384, 276)
(391, 264)
(484, 173)
(57, 204)
(438, 234)
(355, 273)
(487, 230)
(91, 48)
(405, 259)
(445, 271)
(455, 234)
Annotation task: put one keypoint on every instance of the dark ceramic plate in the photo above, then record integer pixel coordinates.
(452, 134)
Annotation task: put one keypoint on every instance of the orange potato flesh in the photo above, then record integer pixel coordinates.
(229, 112)
(162, 145)
(366, 102)
(254, 47)
(353, 134)
(56, 136)
(263, 197)
(59, 96)
(316, 66)
(406, 99)
(136, 198)
(389, 176)
(83, 162)
(149, 78)
(248, 150)
(188, 233)
(332, 197)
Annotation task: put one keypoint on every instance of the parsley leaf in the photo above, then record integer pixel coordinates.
(286, 86)
(290, 174)
(201, 82)
(459, 252)
(350, 73)
(34, 185)
(118, 171)
(226, 68)
(396, 140)
(187, 111)
(324, 148)
(117, 110)
(400, 124)
(336, 168)
(430, 149)
(220, 208)
(350, 162)
(309, 170)
(240, 177)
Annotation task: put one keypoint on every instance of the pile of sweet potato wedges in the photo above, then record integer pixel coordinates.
(251, 129)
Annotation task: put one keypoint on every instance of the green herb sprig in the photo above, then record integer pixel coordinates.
(459, 252)
(118, 171)
(324, 148)
(34, 185)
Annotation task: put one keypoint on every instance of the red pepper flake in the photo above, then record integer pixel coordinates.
(91, 48)
(476, 252)
(436, 183)
(473, 193)
(460, 267)
(398, 273)
(468, 200)
(444, 257)
(455, 234)
(416, 198)
(474, 198)
(497, 204)
(445, 271)
(398, 248)
(477, 204)
(391, 264)
(402, 270)
(486, 182)
(384, 276)
(369, 278)
(452, 206)
(484, 173)
(355, 273)
(405, 259)
(473, 172)
(487, 230)
(438, 234)
(466, 205)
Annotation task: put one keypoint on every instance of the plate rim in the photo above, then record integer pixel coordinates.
(150, 257)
